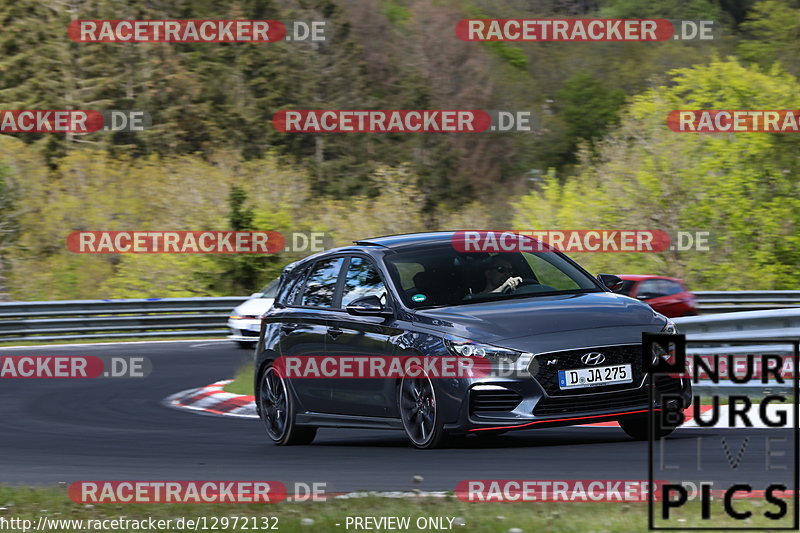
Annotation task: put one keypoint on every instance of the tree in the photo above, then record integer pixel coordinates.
(742, 188)
(588, 108)
(772, 32)
(675, 9)
(9, 227)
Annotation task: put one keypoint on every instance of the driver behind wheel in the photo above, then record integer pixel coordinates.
(500, 276)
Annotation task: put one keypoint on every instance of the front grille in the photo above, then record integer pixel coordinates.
(545, 367)
(494, 400)
(617, 401)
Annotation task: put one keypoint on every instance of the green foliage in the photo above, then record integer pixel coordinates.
(8, 224)
(588, 108)
(213, 161)
(772, 30)
(742, 188)
(240, 216)
(676, 9)
(509, 54)
(398, 14)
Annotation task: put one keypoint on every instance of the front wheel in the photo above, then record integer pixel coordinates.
(277, 409)
(636, 427)
(419, 413)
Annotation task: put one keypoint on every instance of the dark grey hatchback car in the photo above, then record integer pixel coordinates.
(574, 348)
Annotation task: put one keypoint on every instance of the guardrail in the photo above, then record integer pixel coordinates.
(206, 317)
(775, 325)
(109, 319)
(733, 301)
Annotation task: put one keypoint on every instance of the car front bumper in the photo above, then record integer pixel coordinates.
(535, 409)
(244, 330)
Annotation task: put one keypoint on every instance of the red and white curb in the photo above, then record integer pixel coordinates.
(212, 399)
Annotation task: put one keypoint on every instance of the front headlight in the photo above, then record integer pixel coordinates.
(658, 351)
(465, 348)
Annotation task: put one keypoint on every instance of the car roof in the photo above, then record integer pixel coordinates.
(408, 240)
(640, 277)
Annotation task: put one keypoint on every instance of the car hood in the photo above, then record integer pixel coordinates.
(540, 316)
(253, 307)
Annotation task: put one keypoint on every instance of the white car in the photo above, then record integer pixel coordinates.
(245, 319)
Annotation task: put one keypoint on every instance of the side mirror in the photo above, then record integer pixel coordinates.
(611, 281)
(368, 306)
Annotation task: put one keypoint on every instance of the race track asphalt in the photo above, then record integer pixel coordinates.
(54, 430)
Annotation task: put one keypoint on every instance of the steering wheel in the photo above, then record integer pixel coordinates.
(525, 281)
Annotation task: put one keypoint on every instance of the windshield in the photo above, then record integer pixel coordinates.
(270, 290)
(446, 277)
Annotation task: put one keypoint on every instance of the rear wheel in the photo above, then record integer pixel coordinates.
(636, 427)
(277, 409)
(419, 413)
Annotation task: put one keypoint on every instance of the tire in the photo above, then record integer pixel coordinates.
(636, 427)
(416, 402)
(277, 411)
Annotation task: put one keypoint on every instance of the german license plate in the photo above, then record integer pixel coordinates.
(594, 377)
(254, 327)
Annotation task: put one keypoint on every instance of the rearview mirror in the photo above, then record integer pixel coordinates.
(611, 281)
(368, 306)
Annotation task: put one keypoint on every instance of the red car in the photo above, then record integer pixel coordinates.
(668, 296)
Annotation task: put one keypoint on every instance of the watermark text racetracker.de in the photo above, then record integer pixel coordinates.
(385, 367)
(195, 242)
(470, 363)
(78, 121)
(195, 31)
(73, 367)
(577, 241)
(586, 30)
(195, 491)
(403, 121)
(554, 490)
(734, 120)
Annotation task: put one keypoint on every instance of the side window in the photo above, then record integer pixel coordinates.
(406, 272)
(321, 283)
(362, 280)
(271, 290)
(649, 289)
(670, 287)
(549, 275)
(289, 289)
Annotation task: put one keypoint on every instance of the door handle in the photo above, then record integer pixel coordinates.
(288, 328)
(334, 332)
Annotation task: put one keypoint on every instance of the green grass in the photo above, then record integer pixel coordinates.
(54, 503)
(242, 382)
